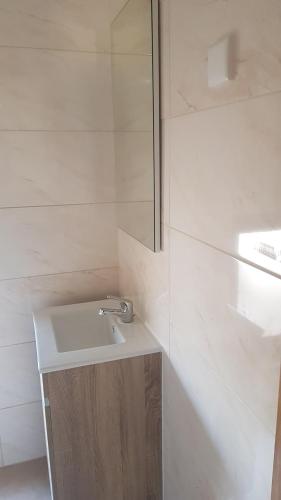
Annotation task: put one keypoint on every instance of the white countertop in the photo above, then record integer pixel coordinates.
(138, 340)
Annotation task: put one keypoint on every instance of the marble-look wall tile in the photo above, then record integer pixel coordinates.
(214, 447)
(144, 278)
(52, 90)
(56, 25)
(165, 171)
(20, 297)
(57, 192)
(19, 378)
(225, 355)
(225, 174)
(255, 27)
(22, 433)
(45, 168)
(49, 240)
(221, 297)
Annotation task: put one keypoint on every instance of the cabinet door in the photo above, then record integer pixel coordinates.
(105, 426)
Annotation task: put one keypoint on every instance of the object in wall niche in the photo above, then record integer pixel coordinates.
(220, 62)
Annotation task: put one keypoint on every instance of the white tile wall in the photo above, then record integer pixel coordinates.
(49, 240)
(57, 189)
(34, 166)
(217, 319)
(50, 24)
(144, 277)
(220, 322)
(214, 446)
(255, 30)
(19, 379)
(234, 188)
(55, 90)
(22, 433)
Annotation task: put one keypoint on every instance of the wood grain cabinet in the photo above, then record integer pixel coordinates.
(103, 425)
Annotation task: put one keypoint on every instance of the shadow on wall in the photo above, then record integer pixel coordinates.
(194, 470)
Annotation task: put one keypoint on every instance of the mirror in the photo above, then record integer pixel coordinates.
(135, 79)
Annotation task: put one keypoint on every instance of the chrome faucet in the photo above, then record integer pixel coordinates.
(125, 311)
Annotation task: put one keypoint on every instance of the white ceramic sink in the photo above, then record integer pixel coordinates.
(83, 329)
(75, 335)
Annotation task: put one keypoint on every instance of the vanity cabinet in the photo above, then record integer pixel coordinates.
(103, 427)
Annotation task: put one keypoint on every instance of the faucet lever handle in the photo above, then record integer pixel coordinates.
(126, 310)
(122, 300)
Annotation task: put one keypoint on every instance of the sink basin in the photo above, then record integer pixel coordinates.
(75, 335)
(75, 330)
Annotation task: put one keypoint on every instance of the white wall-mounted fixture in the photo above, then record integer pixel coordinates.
(219, 62)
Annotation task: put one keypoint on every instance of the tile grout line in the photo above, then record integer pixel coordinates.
(30, 277)
(17, 344)
(21, 405)
(226, 386)
(56, 205)
(75, 51)
(71, 131)
(84, 204)
(229, 254)
(224, 105)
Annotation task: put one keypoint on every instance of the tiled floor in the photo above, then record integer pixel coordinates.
(28, 481)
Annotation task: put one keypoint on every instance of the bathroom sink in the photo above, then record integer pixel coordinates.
(75, 335)
(75, 330)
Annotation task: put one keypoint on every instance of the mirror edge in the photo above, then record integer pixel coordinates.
(156, 123)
